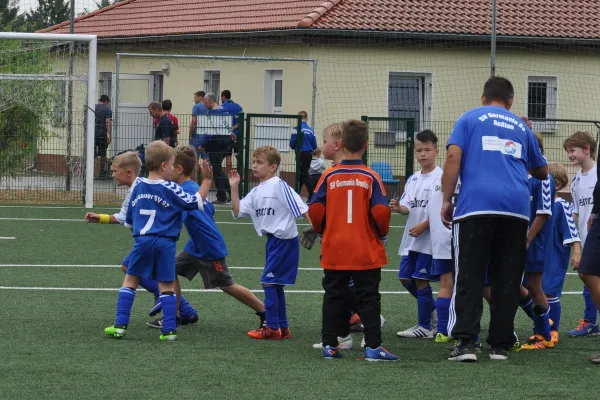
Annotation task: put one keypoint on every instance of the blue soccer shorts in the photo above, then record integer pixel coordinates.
(153, 257)
(416, 266)
(441, 267)
(534, 259)
(590, 259)
(282, 258)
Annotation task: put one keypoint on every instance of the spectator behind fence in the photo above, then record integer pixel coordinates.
(102, 132)
(198, 109)
(216, 146)
(233, 109)
(309, 144)
(317, 167)
(165, 130)
(167, 106)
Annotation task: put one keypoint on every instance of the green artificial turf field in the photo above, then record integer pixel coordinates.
(58, 289)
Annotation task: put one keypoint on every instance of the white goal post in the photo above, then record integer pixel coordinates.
(91, 92)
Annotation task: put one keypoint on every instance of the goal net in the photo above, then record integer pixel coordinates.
(44, 98)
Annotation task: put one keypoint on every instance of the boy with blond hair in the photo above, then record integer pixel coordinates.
(273, 207)
(350, 206)
(565, 239)
(154, 213)
(205, 251)
(581, 150)
(126, 168)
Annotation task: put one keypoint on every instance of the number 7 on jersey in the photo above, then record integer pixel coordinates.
(150, 222)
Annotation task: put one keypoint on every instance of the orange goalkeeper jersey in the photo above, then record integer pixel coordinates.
(350, 208)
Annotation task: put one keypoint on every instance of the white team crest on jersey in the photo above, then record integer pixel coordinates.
(504, 146)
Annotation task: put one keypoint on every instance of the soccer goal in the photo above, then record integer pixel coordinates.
(47, 94)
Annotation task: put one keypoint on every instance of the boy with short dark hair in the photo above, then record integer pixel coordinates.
(416, 268)
(273, 207)
(205, 251)
(165, 129)
(350, 206)
(155, 214)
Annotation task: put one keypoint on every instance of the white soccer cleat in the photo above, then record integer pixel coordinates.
(416, 332)
(345, 343)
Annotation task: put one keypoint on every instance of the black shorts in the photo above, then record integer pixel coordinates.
(100, 146)
(590, 259)
(214, 273)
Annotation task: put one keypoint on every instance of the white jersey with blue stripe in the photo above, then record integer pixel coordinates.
(156, 208)
(441, 237)
(416, 196)
(273, 207)
(122, 214)
(582, 189)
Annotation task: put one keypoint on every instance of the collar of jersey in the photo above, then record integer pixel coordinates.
(352, 162)
(153, 181)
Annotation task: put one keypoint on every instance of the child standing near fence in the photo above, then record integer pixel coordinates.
(317, 167)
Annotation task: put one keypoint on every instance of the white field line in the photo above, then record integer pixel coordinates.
(7, 238)
(81, 289)
(118, 266)
(81, 220)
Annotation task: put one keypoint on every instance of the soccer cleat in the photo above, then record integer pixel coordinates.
(584, 329)
(169, 337)
(417, 332)
(285, 333)
(595, 359)
(354, 319)
(463, 352)
(360, 327)
(330, 352)
(345, 343)
(478, 346)
(158, 323)
(538, 343)
(265, 333)
(499, 354)
(156, 309)
(441, 338)
(554, 335)
(379, 354)
(192, 319)
(117, 332)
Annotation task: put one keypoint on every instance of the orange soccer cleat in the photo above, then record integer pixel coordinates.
(265, 333)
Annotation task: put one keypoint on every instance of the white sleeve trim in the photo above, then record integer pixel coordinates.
(571, 240)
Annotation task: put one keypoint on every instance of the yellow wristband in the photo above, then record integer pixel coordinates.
(104, 219)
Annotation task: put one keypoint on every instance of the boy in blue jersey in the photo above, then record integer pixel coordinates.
(205, 251)
(539, 241)
(491, 150)
(125, 170)
(415, 271)
(273, 207)
(308, 145)
(155, 214)
(564, 239)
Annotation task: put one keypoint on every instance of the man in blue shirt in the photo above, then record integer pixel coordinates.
(491, 150)
(102, 132)
(309, 144)
(218, 147)
(233, 109)
(198, 109)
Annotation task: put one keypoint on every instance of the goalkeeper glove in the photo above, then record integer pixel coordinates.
(309, 235)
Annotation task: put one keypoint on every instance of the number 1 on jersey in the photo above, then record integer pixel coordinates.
(152, 214)
(349, 206)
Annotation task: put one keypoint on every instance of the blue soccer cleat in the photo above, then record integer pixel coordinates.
(584, 329)
(331, 352)
(379, 354)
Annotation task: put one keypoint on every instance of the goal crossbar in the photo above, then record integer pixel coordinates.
(91, 93)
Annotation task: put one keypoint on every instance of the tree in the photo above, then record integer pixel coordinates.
(10, 20)
(48, 13)
(24, 104)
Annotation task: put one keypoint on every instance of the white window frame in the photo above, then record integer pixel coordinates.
(551, 82)
(105, 84)
(425, 99)
(209, 79)
(271, 76)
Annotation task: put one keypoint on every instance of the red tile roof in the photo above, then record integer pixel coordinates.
(547, 18)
